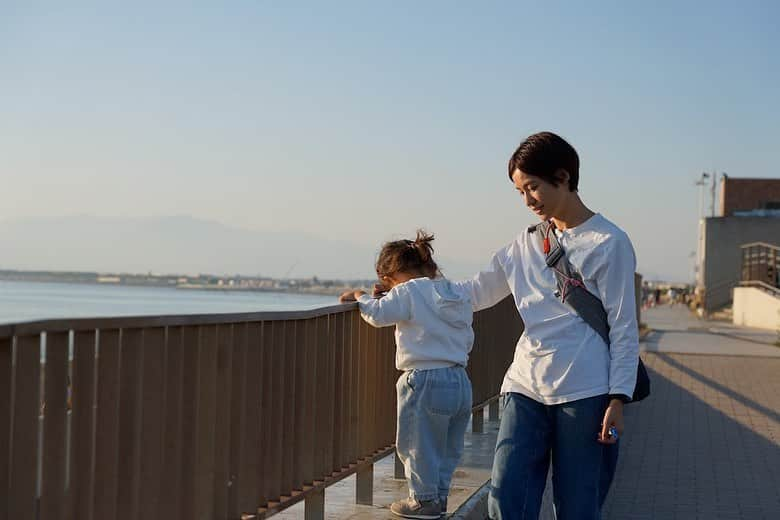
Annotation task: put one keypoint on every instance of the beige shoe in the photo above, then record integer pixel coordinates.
(413, 508)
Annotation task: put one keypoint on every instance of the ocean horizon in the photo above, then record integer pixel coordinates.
(30, 301)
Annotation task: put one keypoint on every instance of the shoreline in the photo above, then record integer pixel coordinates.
(78, 280)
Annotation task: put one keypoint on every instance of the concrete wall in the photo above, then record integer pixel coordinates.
(722, 259)
(754, 307)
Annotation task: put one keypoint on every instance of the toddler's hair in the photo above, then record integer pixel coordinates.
(408, 255)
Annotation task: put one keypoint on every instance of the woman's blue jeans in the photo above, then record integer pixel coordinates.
(434, 407)
(530, 436)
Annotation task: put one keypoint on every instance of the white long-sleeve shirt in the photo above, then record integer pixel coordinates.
(560, 358)
(432, 318)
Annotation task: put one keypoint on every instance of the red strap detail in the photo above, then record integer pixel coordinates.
(546, 245)
(571, 282)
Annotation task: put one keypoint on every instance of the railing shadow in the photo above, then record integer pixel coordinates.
(746, 401)
(682, 457)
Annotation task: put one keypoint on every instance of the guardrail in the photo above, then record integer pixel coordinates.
(212, 416)
(761, 263)
(775, 291)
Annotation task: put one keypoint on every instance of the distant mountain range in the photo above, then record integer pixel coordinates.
(180, 244)
(173, 245)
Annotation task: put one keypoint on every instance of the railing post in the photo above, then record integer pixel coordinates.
(493, 410)
(364, 488)
(6, 371)
(478, 421)
(314, 505)
(399, 467)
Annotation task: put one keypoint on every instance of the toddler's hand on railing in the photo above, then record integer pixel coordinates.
(347, 296)
(350, 296)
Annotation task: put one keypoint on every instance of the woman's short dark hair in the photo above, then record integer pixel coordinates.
(543, 155)
(408, 255)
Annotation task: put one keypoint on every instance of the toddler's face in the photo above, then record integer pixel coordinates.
(389, 281)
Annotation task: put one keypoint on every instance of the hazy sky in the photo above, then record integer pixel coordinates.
(362, 122)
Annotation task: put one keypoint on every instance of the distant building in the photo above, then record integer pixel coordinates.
(749, 196)
(749, 212)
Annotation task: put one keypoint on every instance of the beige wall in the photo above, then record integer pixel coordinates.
(756, 308)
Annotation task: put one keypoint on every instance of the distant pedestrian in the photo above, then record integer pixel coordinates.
(433, 334)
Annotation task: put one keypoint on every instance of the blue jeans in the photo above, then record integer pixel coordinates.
(434, 407)
(530, 435)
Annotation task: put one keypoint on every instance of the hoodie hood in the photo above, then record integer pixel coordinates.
(450, 303)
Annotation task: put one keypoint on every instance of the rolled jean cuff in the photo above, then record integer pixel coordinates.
(425, 497)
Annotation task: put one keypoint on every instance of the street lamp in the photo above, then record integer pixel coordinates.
(699, 249)
(701, 183)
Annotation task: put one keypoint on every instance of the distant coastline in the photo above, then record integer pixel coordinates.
(207, 282)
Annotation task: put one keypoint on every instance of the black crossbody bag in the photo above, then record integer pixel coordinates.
(573, 293)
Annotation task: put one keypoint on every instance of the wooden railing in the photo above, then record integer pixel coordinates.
(212, 417)
(761, 263)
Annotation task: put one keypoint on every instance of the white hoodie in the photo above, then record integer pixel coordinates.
(432, 318)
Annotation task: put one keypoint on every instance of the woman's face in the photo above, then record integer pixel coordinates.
(542, 198)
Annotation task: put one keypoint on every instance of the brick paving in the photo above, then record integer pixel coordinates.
(706, 443)
(677, 330)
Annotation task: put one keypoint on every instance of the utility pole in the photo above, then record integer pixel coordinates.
(712, 194)
(700, 224)
(701, 183)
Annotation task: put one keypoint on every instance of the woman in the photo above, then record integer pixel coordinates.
(564, 392)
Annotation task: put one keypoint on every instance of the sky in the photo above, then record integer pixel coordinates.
(360, 123)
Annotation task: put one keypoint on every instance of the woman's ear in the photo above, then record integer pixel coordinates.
(562, 176)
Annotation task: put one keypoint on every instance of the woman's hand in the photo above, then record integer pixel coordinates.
(350, 296)
(613, 418)
(379, 290)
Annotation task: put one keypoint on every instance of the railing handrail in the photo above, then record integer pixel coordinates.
(753, 283)
(719, 286)
(133, 322)
(761, 244)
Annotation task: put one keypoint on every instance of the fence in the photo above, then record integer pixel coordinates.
(214, 416)
(761, 264)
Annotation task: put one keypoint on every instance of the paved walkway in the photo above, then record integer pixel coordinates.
(677, 330)
(705, 445)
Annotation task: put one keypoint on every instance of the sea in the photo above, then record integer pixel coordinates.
(28, 301)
